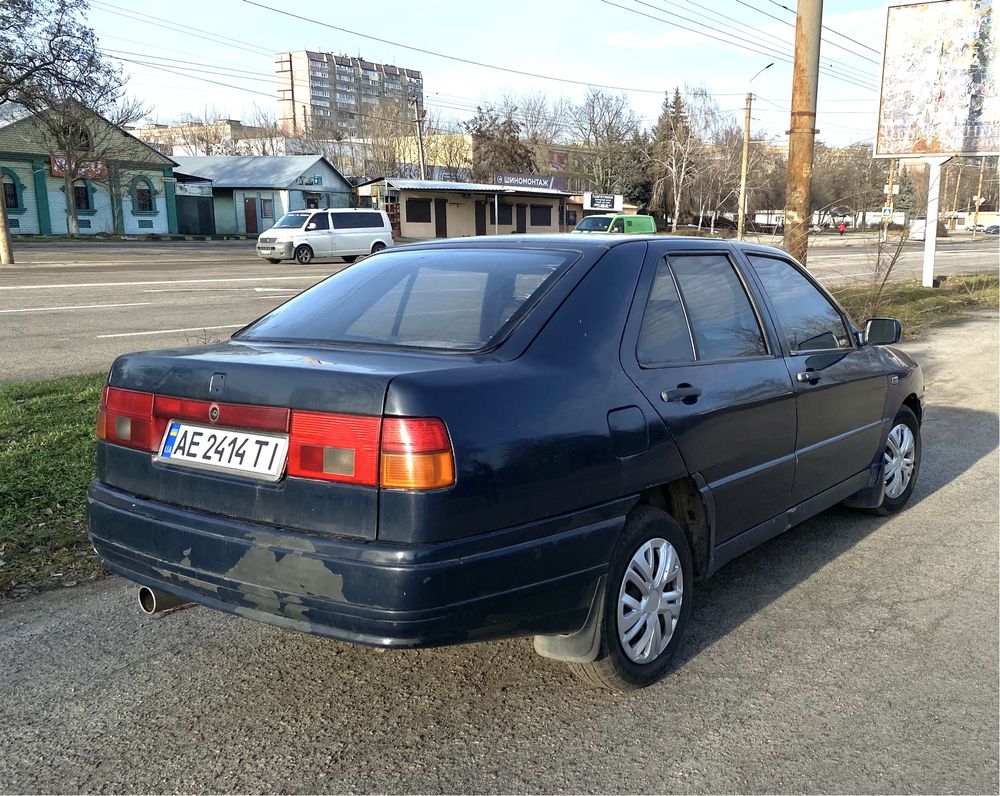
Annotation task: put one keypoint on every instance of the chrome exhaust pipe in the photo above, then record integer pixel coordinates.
(153, 601)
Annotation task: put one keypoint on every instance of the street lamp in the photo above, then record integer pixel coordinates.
(741, 210)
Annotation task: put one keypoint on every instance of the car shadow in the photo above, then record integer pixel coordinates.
(751, 582)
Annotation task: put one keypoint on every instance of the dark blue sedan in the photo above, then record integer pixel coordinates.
(484, 438)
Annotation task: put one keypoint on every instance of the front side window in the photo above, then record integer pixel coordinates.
(455, 299)
(809, 322)
(618, 225)
(723, 323)
(318, 222)
(594, 224)
(82, 196)
(9, 193)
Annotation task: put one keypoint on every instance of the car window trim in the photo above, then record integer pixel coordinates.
(849, 326)
(687, 321)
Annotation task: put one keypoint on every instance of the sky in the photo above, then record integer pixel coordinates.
(645, 47)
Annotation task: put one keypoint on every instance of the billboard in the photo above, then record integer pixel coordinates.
(940, 80)
(603, 201)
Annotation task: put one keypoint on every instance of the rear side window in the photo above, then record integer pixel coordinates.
(722, 319)
(664, 337)
(356, 220)
(454, 299)
(809, 322)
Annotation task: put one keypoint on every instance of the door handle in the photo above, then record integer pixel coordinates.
(810, 376)
(683, 392)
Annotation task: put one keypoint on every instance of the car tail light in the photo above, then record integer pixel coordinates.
(125, 417)
(334, 447)
(416, 454)
(258, 418)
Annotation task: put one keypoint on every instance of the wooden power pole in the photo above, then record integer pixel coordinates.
(802, 132)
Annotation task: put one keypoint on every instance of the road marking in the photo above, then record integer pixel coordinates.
(169, 282)
(77, 307)
(173, 331)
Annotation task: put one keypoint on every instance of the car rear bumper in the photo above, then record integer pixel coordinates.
(533, 579)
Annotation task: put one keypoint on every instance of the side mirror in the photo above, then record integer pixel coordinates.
(310, 226)
(883, 331)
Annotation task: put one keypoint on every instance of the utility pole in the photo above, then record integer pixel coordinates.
(419, 121)
(6, 254)
(742, 209)
(887, 219)
(802, 129)
(979, 196)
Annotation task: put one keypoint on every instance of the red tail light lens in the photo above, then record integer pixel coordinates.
(416, 454)
(125, 417)
(334, 447)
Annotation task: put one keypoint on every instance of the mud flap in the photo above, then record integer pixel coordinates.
(583, 645)
(871, 496)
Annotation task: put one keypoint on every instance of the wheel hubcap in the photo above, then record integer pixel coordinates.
(899, 460)
(649, 600)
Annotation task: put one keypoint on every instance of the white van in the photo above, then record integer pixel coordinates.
(347, 233)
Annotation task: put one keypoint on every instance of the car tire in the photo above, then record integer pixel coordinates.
(304, 254)
(623, 662)
(377, 246)
(901, 460)
(273, 261)
(350, 258)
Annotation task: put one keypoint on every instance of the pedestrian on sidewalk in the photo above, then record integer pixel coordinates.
(841, 228)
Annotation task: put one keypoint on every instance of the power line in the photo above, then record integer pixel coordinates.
(831, 30)
(436, 54)
(769, 52)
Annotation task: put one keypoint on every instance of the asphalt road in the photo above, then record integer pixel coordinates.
(853, 654)
(72, 308)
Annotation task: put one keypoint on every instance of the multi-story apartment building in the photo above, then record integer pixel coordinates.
(334, 92)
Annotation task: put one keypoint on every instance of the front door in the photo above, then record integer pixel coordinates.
(319, 235)
(480, 218)
(441, 218)
(840, 388)
(522, 219)
(696, 346)
(250, 215)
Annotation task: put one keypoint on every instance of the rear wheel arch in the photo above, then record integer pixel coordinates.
(682, 500)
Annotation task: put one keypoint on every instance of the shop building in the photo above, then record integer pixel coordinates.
(423, 209)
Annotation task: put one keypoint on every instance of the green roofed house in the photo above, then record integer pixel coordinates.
(244, 195)
(120, 185)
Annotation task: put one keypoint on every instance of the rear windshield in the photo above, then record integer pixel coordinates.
(291, 221)
(594, 224)
(453, 299)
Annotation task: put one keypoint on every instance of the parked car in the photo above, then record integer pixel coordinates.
(617, 222)
(992, 229)
(347, 233)
(474, 439)
(970, 227)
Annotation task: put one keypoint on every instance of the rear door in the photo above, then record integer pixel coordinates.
(840, 388)
(700, 350)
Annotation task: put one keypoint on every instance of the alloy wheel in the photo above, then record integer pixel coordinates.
(899, 459)
(649, 600)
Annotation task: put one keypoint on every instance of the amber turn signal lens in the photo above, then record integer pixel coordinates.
(417, 471)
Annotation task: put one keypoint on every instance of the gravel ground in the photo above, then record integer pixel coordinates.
(852, 654)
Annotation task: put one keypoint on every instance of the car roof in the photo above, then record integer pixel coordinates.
(595, 240)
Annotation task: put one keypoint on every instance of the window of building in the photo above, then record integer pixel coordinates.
(506, 214)
(321, 93)
(345, 98)
(345, 69)
(13, 198)
(722, 319)
(541, 215)
(664, 337)
(808, 320)
(267, 208)
(81, 195)
(320, 75)
(370, 100)
(418, 211)
(317, 65)
(345, 78)
(321, 103)
(144, 199)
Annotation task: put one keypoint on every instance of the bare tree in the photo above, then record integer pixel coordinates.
(382, 130)
(497, 145)
(675, 151)
(43, 42)
(604, 124)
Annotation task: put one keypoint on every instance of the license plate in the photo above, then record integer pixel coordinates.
(225, 450)
(265, 249)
